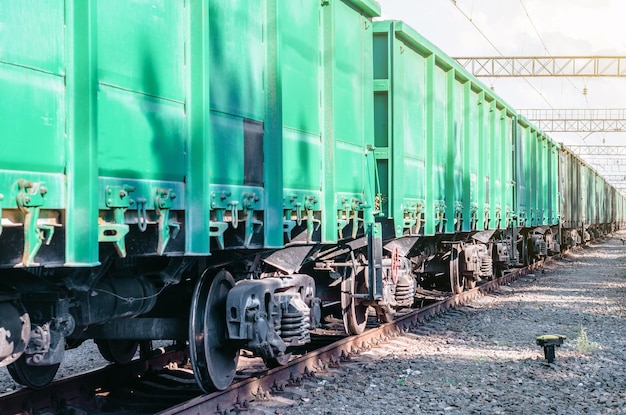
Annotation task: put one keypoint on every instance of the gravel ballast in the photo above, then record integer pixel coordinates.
(484, 359)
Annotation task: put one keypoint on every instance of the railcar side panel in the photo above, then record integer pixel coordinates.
(583, 200)
(487, 206)
(348, 164)
(502, 179)
(553, 185)
(507, 154)
(579, 193)
(536, 177)
(483, 164)
(141, 132)
(453, 136)
(466, 207)
(600, 211)
(38, 141)
(301, 85)
(141, 68)
(533, 161)
(569, 184)
(592, 208)
(400, 130)
(236, 165)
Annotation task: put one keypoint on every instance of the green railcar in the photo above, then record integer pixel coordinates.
(158, 144)
(591, 207)
(466, 187)
(182, 125)
(449, 158)
(537, 204)
(326, 98)
(444, 140)
(536, 158)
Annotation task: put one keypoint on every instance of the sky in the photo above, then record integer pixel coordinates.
(530, 28)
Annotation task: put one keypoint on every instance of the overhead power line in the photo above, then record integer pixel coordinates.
(498, 50)
(535, 28)
(469, 19)
(545, 47)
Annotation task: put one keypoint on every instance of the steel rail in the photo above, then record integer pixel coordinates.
(240, 395)
(77, 391)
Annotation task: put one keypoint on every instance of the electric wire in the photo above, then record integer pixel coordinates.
(482, 33)
(585, 80)
(498, 50)
(545, 47)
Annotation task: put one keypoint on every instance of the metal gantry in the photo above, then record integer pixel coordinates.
(578, 120)
(520, 66)
(608, 160)
(599, 151)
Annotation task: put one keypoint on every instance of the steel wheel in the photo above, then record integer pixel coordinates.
(353, 310)
(14, 331)
(35, 377)
(456, 279)
(117, 351)
(213, 358)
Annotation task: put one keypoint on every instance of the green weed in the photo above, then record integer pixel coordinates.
(583, 345)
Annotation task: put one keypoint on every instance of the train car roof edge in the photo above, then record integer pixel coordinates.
(422, 45)
(371, 8)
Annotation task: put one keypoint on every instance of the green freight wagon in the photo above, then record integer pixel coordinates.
(443, 140)
(168, 137)
(326, 88)
(444, 154)
(536, 179)
(159, 149)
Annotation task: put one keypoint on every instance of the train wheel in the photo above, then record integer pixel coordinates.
(456, 279)
(35, 377)
(14, 331)
(213, 358)
(117, 351)
(353, 309)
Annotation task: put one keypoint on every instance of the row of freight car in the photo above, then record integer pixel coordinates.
(228, 174)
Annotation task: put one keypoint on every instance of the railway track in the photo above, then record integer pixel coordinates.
(164, 383)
